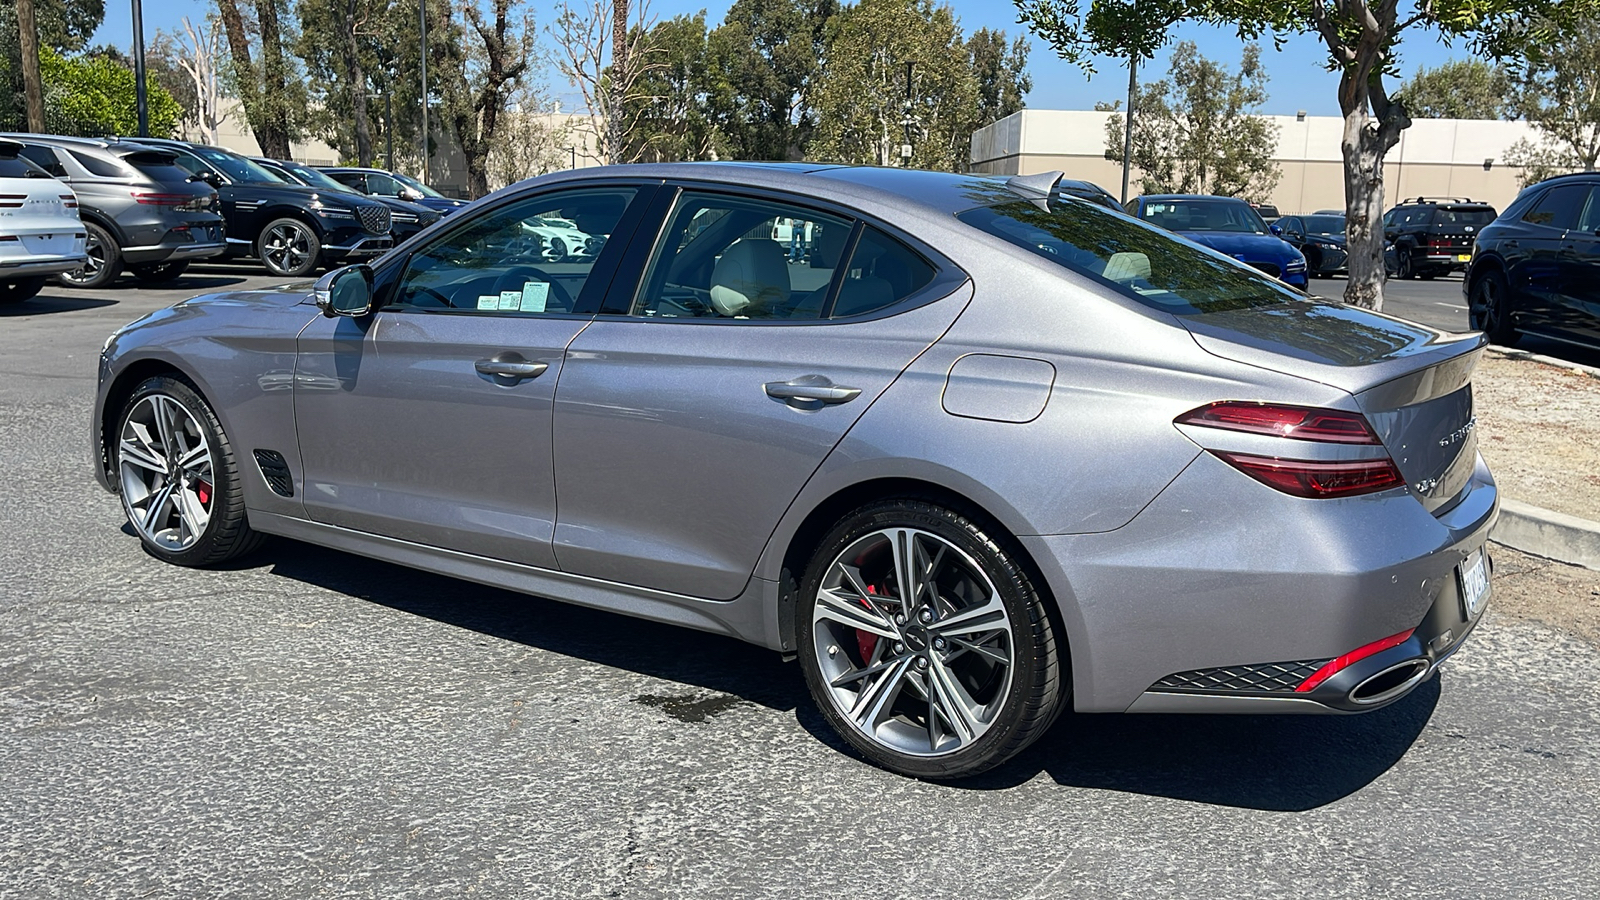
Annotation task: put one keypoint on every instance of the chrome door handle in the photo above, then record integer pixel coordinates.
(510, 364)
(810, 392)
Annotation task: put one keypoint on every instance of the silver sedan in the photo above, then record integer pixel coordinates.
(970, 448)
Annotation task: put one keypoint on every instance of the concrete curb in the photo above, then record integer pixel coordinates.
(1509, 353)
(1547, 533)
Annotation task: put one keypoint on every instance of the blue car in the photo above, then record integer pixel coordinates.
(1227, 225)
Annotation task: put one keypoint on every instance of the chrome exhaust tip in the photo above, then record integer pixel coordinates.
(1390, 683)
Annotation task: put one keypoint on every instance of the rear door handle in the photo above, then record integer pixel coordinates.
(510, 365)
(810, 392)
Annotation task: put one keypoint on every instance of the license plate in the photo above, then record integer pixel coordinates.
(1474, 579)
(1463, 257)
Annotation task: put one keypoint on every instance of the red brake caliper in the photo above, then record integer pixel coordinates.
(866, 641)
(202, 489)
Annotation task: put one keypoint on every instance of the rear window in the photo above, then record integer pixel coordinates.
(162, 167)
(1140, 262)
(1455, 215)
(17, 167)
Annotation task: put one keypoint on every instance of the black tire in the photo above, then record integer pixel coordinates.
(1403, 266)
(1024, 708)
(227, 534)
(105, 260)
(13, 292)
(1313, 263)
(1489, 308)
(1427, 275)
(158, 273)
(289, 248)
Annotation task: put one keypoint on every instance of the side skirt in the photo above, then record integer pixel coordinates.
(749, 617)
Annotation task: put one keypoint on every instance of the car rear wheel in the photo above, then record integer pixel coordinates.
(289, 248)
(1489, 308)
(20, 290)
(924, 642)
(1403, 268)
(104, 263)
(178, 477)
(159, 273)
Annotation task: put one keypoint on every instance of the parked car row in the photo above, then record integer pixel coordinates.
(151, 206)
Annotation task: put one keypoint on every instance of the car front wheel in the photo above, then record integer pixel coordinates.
(1489, 308)
(178, 477)
(924, 642)
(289, 248)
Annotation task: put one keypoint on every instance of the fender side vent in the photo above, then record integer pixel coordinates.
(276, 472)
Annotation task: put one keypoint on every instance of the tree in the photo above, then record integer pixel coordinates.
(262, 74)
(763, 64)
(609, 81)
(196, 54)
(862, 93)
(28, 40)
(94, 95)
(672, 109)
(500, 42)
(1002, 75)
(1459, 89)
(1557, 90)
(533, 139)
(1196, 131)
(1360, 37)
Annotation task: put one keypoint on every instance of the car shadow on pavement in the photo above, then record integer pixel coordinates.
(1280, 763)
(53, 303)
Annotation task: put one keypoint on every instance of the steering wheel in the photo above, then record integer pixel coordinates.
(415, 289)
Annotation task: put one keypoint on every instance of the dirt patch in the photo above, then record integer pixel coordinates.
(1539, 430)
(1555, 594)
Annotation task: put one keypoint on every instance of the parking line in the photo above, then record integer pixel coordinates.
(1450, 306)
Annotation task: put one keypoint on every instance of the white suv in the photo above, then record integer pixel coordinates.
(40, 232)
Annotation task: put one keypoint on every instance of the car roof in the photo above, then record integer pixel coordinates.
(115, 146)
(1191, 197)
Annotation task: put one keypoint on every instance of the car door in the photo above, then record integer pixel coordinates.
(692, 411)
(1533, 254)
(429, 421)
(1577, 309)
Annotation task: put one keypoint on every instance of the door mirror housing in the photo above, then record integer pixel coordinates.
(1275, 229)
(410, 193)
(210, 178)
(345, 292)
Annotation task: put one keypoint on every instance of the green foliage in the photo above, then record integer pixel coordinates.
(1198, 132)
(672, 106)
(1002, 74)
(1459, 89)
(762, 65)
(64, 25)
(95, 95)
(1557, 89)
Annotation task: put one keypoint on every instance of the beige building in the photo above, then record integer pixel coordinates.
(1435, 157)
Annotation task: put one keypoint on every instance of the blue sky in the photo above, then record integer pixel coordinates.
(1298, 81)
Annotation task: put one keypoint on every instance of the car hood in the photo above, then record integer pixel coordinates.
(1344, 346)
(283, 295)
(1336, 240)
(1253, 245)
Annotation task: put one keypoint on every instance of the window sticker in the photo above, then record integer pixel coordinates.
(534, 294)
(509, 300)
(489, 301)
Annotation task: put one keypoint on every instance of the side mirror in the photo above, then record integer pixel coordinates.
(1275, 229)
(345, 292)
(411, 193)
(210, 178)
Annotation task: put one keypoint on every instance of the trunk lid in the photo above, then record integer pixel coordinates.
(1413, 383)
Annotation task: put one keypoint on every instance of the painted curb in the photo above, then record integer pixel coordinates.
(1547, 533)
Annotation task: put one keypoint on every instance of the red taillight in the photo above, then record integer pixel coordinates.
(1334, 666)
(1441, 243)
(153, 199)
(1316, 479)
(70, 201)
(1302, 423)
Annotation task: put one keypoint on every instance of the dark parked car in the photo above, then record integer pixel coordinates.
(406, 218)
(382, 183)
(987, 455)
(1225, 224)
(1319, 238)
(1431, 236)
(1536, 269)
(140, 210)
(290, 228)
(1088, 190)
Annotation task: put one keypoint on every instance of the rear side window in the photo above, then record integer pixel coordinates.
(1559, 206)
(1139, 261)
(162, 167)
(98, 167)
(19, 167)
(882, 272)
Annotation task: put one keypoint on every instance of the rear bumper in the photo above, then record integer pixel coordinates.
(1221, 573)
(173, 252)
(12, 269)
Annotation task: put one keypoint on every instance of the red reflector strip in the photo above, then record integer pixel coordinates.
(70, 201)
(1316, 479)
(1334, 666)
(1303, 423)
(9, 237)
(154, 199)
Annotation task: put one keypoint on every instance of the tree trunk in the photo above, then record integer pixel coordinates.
(1363, 209)
(356, 79)
(273, 132)
(28, 33)
(615, 132)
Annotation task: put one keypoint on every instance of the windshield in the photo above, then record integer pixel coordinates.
(236, 167)
(1324, 224)
(317, 179)
(408, 181)
(1204, 215)
(1137, 261)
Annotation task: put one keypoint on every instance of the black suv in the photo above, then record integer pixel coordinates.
(1431, 236)
(139, 209)
(407, 218)
(290, 228)
(1537, 267)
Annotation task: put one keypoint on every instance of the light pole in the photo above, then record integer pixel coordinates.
(422, 7)
(1127, 129)
(907, 122)
(141, 100)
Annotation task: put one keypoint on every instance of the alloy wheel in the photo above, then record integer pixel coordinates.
(1485, 308)
(93, 265)
(166, 467)
(913, 642)
(286, 247)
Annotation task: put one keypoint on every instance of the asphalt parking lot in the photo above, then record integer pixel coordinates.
(313, 724)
